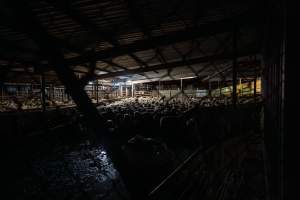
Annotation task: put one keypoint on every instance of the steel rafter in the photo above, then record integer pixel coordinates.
(84, 22)
(25, 21)
(175, 64)
(164, 40)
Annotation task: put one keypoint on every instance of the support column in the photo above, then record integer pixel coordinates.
(54, 94)
(61, 94)
(29, 24)
(234, 68)
(220, 89)
(121, 90)
(2, 93)
(181, 89)
(97, 92)
(51, 92)
(31, 89)
(241, 86)
(181, 85)
(93, 95)
(255, 79)
(27, 93)
(43, 94)
(132, 90)
(209, 88)
(158, 88)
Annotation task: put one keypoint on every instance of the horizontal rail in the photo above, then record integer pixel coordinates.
(188, 160)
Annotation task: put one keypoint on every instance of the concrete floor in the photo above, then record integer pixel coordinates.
(84, 172)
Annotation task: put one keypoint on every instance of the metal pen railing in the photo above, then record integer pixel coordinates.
(199, 151)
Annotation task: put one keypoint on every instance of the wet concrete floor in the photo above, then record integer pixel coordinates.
(63, 171)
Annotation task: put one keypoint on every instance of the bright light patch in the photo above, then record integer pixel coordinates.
(189, 77)
(101, 72)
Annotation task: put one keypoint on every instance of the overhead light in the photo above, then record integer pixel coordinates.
(123, 77)
(101, 72)
(90, 82)
(159, 79)
(189, 77)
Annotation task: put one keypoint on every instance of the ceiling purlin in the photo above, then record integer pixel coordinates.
(92, 28)
(85, 23)
(138, 20)
(175, 64)
(221, 48)
(184, 58)
(28, 23)
(66, 8)
(110, 62)
(150, 43)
